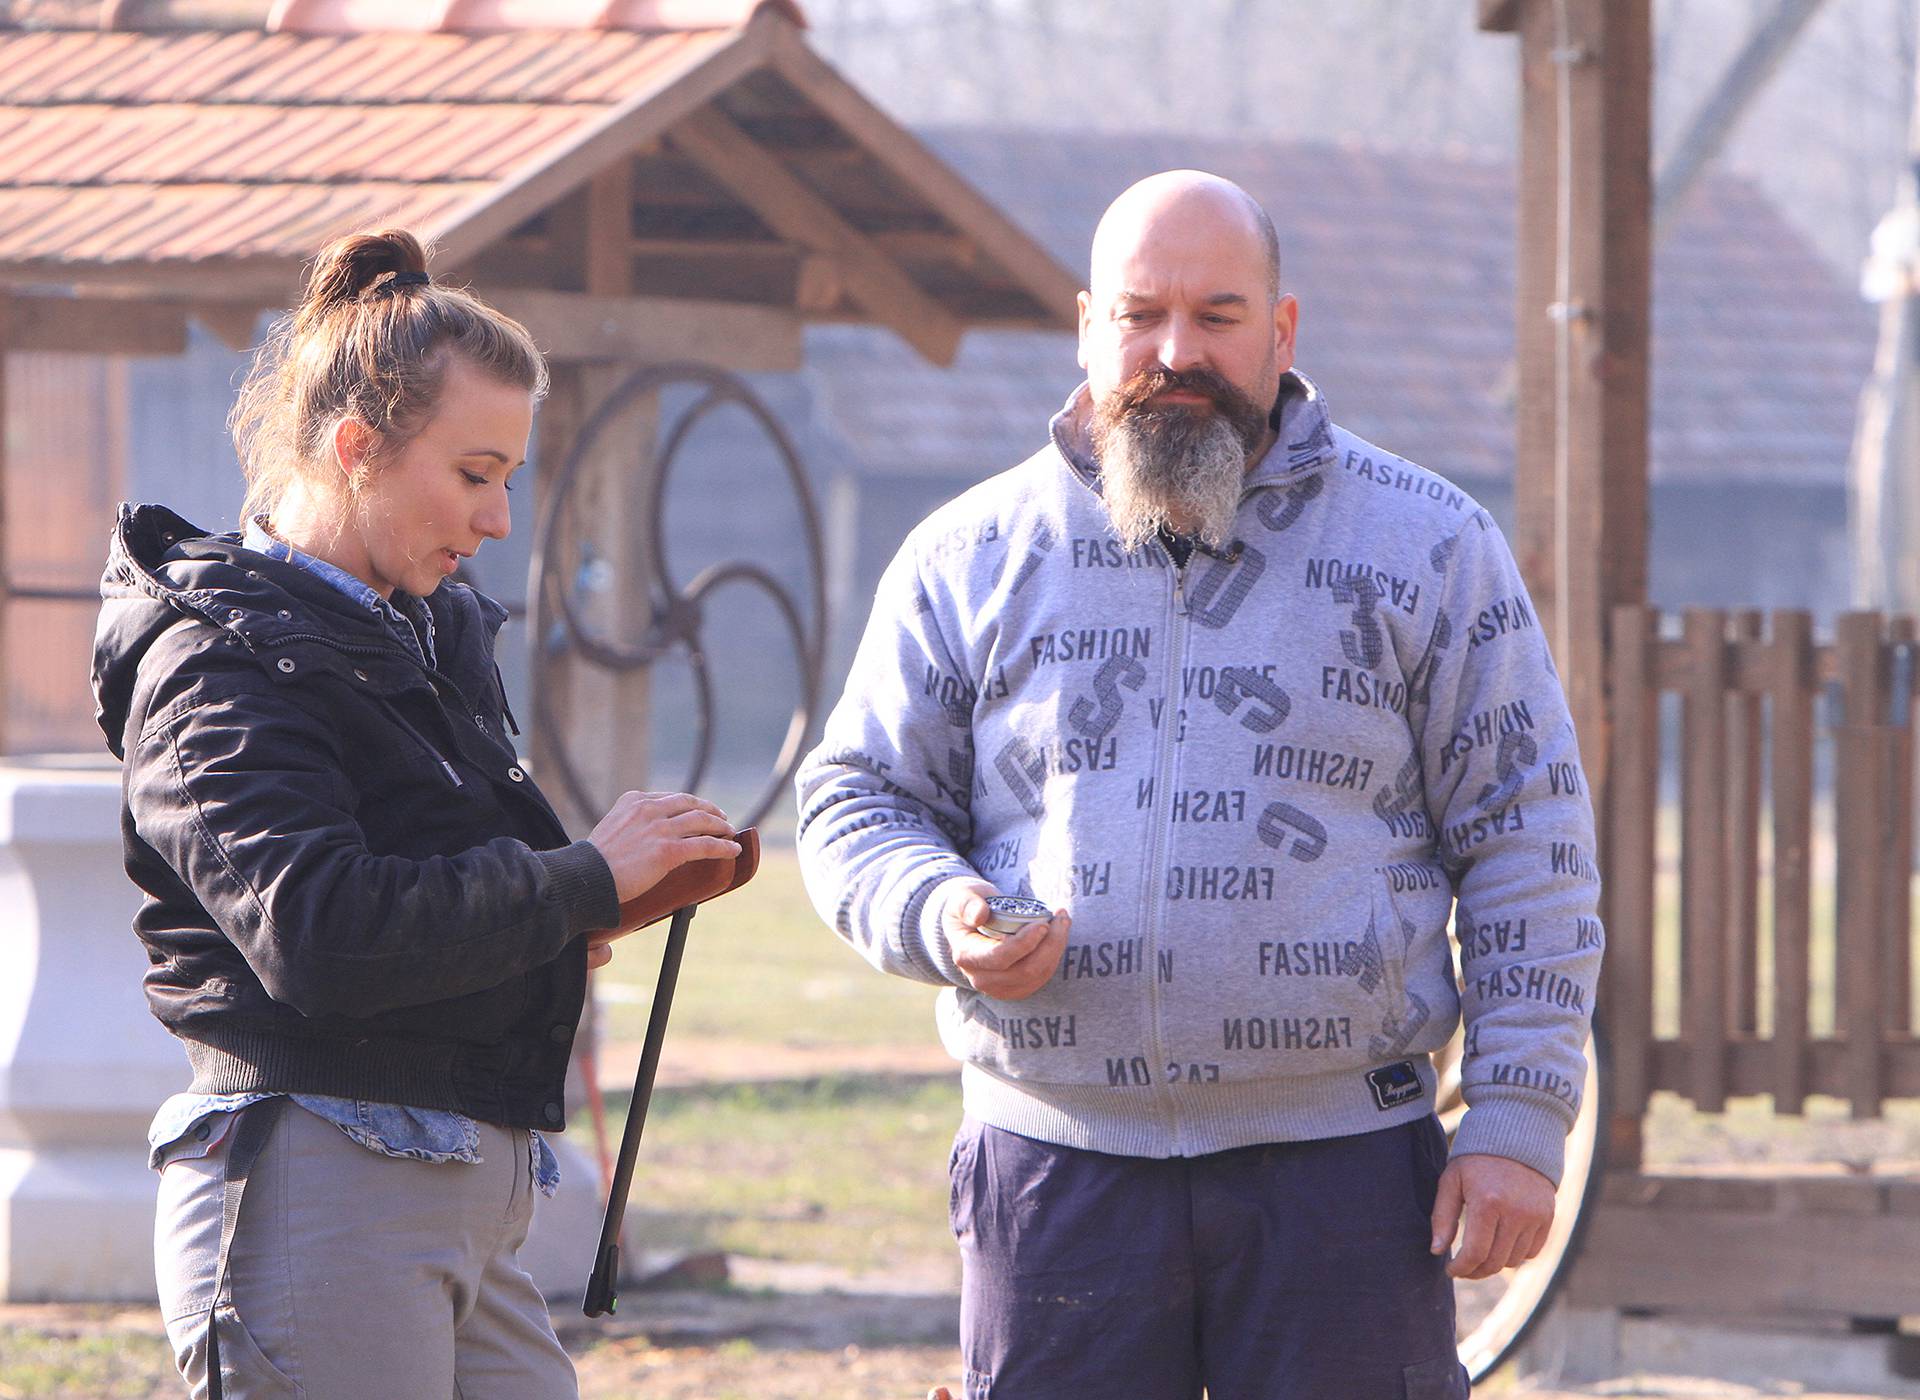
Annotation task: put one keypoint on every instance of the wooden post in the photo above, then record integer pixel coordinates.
(1627, 971)
(1581, 296)
(1582, 287)
(604, 718)
(6, 565)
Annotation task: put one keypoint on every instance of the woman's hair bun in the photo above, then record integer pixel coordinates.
(346, 268)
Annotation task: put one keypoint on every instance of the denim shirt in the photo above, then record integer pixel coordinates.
(190, 1124)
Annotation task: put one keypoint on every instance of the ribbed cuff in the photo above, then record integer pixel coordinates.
(921, 923)
(583, 882)
(1530, 1129)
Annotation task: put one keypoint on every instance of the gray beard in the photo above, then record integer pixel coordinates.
(1156, 469)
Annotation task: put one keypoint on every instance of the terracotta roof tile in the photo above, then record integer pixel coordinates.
(125, 146)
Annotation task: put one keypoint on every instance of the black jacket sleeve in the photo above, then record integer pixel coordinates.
(241, 789)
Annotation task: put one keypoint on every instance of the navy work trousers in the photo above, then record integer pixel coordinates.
(1290, 1271)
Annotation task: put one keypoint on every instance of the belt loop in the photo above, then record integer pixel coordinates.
(255, 1127)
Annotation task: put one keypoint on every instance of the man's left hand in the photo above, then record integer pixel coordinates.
(1501, 1210)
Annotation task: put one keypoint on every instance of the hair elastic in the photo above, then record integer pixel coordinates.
(391, 282)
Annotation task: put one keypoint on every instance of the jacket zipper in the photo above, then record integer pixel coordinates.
(1156, 875)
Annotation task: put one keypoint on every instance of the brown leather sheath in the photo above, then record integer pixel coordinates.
(696, 882)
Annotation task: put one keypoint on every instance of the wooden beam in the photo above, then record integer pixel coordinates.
(234, 324)
(907, 160)
(269, 281)
(874, 280)
(1500, 16)
(95, 326)
(625, 130)
(1851, 1251)
(609, 230)
(899, 243)
(573, 327)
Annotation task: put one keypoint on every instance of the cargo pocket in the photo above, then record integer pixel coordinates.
(1442, 1378)
(245, 1372)
(960, 1164)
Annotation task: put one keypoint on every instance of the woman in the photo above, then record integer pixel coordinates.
(366, 925)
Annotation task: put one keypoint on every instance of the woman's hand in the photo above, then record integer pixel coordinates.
(647, 834)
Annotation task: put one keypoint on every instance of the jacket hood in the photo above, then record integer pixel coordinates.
(163, 570)
(1302, 445)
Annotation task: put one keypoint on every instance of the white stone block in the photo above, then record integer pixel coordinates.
(83, 1065)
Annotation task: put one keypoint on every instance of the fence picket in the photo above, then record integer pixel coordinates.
(1896, 833)
(1859, 819)
(1742, 854)
(1703, 1017)
(1794, 685)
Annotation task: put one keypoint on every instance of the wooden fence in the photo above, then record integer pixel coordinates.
(1760, 701)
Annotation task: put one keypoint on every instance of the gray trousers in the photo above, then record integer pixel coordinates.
(356, 1276)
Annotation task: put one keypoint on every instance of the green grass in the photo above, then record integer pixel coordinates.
(844, 1170)
(102, 1366)
(760, 965)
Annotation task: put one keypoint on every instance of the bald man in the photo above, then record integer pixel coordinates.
(1237, 706)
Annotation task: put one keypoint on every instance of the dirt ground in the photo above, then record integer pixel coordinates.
(678, 1345)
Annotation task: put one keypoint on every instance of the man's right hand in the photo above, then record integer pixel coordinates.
(1007, 969)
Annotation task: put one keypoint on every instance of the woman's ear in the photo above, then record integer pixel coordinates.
(353, 445)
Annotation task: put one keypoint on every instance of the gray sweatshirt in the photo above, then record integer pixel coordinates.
(1259, 783)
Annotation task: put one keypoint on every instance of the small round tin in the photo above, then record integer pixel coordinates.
(1009, 913)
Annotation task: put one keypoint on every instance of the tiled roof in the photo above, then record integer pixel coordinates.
(1404, 268)
(132, 148)
(204, 148)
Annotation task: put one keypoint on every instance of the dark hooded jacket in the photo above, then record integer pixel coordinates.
(352, 886)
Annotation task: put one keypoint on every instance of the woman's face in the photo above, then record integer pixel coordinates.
(420, 512)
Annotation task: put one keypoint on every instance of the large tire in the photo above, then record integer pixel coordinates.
(1495, 1315)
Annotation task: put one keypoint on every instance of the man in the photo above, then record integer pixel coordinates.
(1249, 702)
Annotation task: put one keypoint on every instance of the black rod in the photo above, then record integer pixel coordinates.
(603, 1287)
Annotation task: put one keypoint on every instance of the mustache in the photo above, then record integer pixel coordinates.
(1136, 394)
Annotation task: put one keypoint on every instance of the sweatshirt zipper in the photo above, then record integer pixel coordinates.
(1156, 875)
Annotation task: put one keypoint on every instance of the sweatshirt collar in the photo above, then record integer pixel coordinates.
(1303, 439)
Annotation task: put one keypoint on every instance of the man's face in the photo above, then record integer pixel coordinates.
(1184, 344)
(1182, 288)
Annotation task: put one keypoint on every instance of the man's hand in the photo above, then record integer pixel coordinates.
(1011, 968)
(1506, 1207)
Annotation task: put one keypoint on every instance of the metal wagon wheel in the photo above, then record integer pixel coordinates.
(1495, 1315)
(676, 613)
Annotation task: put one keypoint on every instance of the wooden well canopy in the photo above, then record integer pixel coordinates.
(620, 174)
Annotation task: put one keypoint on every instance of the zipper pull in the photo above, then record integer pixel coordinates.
(452, 774)
(506, 710)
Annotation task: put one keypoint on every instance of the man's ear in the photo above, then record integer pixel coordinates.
(1286, 322)
(1085, 302)
(353, 446)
